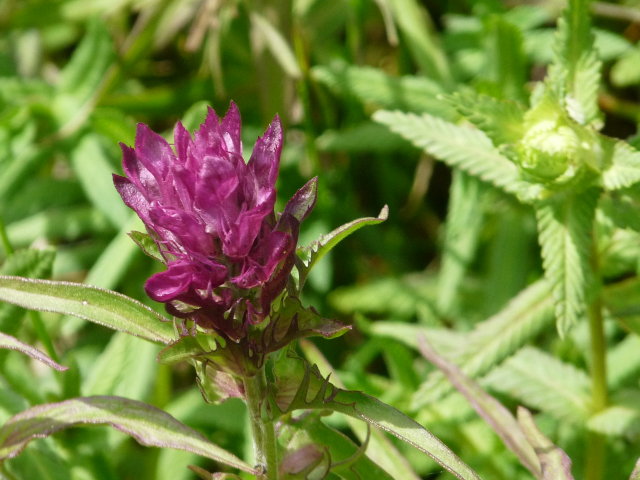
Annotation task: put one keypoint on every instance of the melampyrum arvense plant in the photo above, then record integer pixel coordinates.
(231, 281)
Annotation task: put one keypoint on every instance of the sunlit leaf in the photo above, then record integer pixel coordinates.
(148, 425)
(107, 308)
(466, 148)
(318, 249)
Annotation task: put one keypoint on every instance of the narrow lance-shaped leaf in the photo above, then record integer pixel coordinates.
(554, 462)
(565, 236)
(105, 307)
(379, 446)
(493, 412)
(299, 385)
(458, 146)
(318, 249)
(12, 343)
(148, 425)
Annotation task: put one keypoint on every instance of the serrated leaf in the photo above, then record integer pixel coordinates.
(493, 412)
(318, 249)
(104, 307)
(554, 462)
(540, 381)
(575, 72)
(565, 224)
(501, 120)
(493, 340)
(148, 425)
(466, 148)
(373, 87)
(622, 164)
(12, 343)
(617, 421)
(362, 137)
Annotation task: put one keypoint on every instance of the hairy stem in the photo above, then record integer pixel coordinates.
(264, 437)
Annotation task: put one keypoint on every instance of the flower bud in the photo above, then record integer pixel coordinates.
(554, 148)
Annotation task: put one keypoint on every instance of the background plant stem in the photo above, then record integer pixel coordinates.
(596, 445)
(264, 438)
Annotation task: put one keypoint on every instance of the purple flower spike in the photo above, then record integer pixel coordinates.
(228, 255)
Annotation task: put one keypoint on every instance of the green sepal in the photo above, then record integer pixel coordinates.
(314, 252)
(147, 245)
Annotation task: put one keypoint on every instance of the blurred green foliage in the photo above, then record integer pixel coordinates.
(75, 78)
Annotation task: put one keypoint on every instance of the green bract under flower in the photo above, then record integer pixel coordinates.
(555, 149)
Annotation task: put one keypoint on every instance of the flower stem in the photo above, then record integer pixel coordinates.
(264, 437)
(599, 397)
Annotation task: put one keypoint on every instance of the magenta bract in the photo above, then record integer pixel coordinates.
(212, 215)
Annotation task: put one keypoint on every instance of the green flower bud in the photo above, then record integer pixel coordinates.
(554, 148)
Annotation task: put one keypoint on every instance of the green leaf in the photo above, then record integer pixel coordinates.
(466, 148)
(12, 343)
(104, 307)
(506, 62)
(276, 44)
(342, 450)
(554, 462)
(148, 425)
(493, 340)
(617, 421)
(622, 164)
(464, 220)
(565, 225)
(538, 380)
(625, 72)
(418, 33)
(379, 447)
(300, 385)
(318, 249)
(126, 367)
(374, 88)
(373, 411)
(27, 263)
(94, 169)
(493, 412)
(85, 71)
(575, 72)
(501, 120)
